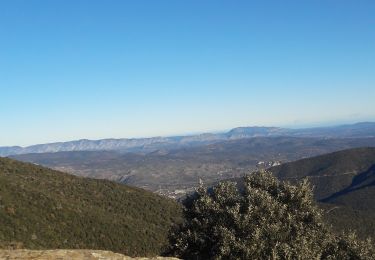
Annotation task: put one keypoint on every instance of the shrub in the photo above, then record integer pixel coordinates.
(348, 247)
(264, 219)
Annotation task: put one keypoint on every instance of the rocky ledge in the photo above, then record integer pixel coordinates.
(65, 254)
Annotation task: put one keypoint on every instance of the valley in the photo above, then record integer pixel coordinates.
(178, 171)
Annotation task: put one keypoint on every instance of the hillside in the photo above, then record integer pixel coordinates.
(334, 174)
(172, 171)
(147, 145)
(41, 208)
(344, 183)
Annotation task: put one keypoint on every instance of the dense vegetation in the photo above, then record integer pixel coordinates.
(265, 219)
(41, 208)
(330, 173)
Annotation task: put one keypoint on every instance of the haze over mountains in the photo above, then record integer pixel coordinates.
(146, 145)
(173, 172)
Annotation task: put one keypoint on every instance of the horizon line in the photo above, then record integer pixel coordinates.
(321, 125)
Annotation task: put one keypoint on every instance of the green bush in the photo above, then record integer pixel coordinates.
(348, 247)
(264, 219)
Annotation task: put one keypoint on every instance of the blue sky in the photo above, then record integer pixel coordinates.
(101, 69)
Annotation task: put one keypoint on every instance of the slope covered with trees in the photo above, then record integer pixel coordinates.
(344, 184)
(330, 173)
(41, 208)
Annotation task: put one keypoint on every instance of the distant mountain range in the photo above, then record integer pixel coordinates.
(172, 172)
(146, 145)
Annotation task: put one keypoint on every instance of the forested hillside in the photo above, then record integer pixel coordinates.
(344, 184)
(42, 208)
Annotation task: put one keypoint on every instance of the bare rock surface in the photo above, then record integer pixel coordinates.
(66, 254)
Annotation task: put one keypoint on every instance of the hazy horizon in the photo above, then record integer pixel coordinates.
(213, 131)
(126, 69)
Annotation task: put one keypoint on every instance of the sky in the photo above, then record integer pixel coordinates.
(90, 69)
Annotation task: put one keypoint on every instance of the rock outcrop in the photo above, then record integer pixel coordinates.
(67, 254)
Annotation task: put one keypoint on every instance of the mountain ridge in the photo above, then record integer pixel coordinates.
(151, 144)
